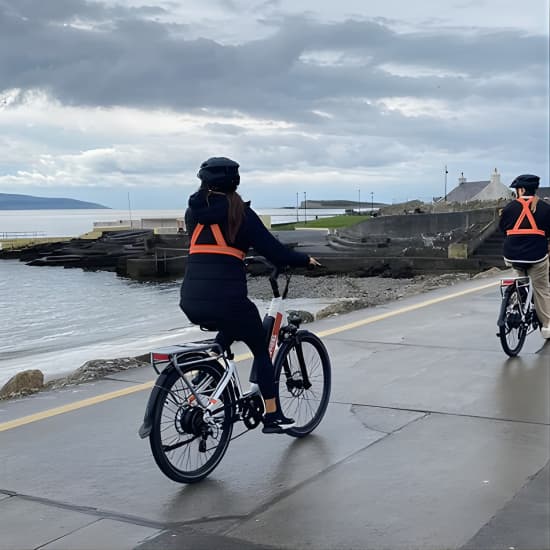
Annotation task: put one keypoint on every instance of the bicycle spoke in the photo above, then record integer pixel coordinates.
(514, 331)
(304, 383)
(179, 444)
(185, 445)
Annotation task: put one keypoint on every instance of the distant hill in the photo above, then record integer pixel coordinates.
(28, 202)
(313, 203)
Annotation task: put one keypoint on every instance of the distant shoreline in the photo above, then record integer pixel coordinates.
(30, 209)
(9, 201)
(333, 204)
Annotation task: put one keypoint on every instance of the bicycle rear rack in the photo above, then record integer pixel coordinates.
(178, 354)
(519, 282)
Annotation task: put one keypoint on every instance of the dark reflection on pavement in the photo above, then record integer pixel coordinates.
(523, 388)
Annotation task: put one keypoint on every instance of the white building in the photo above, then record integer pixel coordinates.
(489, 190)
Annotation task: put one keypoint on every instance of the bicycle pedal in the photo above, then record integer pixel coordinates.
(202, 446)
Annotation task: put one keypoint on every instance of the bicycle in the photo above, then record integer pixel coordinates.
(198, 396)
(517, 317)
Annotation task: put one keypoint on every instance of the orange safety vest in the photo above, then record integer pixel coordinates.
(526, 213)
(219, 248)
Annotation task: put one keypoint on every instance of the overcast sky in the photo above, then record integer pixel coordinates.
(102, 98)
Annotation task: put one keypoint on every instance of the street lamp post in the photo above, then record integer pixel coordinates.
(371, 203)
(359, 202)
(297, 209)
(305, 208)
(446, 172)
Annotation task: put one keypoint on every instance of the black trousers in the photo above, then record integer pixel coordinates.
(239, 322)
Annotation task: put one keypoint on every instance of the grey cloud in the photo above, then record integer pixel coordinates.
(471, 51)
(144, 63)
(68, 10)
(230, 129)
(129, 59)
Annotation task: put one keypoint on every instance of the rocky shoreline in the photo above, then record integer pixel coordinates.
(350, 293)
(362, 291)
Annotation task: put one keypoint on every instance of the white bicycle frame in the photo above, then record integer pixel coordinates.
(275, 316)
(519, 282)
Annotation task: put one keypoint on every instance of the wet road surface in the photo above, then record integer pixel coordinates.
(433, 439)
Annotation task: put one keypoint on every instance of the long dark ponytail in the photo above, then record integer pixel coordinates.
(235, 210)
(235, 214)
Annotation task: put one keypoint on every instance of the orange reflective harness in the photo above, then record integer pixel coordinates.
(526, 213)
(219, 248)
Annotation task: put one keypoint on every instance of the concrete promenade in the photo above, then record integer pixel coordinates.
(434, 439)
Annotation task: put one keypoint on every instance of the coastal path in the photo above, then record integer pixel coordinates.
(433, 439)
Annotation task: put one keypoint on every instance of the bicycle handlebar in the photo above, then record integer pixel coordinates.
(273, 276)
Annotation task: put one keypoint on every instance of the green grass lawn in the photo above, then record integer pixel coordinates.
(344, 220)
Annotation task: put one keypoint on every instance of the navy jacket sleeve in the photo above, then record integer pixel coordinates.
(267, 245)
(506, 222)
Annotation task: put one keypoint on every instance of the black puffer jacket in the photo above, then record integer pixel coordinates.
(525, 248)
(214, 286)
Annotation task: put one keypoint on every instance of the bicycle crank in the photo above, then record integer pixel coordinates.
(252, 411)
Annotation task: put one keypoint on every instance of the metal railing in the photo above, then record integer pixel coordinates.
(8, 235)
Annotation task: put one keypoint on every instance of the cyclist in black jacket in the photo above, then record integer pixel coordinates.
(214, 291)
(526, 224)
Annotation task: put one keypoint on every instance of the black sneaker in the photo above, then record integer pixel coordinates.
(276, 423)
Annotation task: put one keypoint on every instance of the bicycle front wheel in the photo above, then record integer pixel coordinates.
(186, 444)
(513, 331)
(303, 377)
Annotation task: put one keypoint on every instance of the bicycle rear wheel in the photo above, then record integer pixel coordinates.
(303, 377)
(186, 447)
(513, 331)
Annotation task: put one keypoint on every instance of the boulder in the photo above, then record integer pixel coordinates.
(23, 383)
(99, 368)
(344, 306)
(305, 316)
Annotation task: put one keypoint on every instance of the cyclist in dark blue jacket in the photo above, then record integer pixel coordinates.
(214, 291)
(526, 224)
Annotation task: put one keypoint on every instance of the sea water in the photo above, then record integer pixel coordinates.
(72, 223)
(56, 319)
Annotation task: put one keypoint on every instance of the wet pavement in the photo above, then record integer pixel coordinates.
(433, 439)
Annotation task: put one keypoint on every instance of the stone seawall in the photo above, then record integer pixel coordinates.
(415, 225)
(399, 245)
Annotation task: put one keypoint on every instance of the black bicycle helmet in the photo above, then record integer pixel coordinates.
(529, 182)
(219, 174)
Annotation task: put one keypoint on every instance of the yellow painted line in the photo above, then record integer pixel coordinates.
(387, 315)
(10, 425)
(73, 406)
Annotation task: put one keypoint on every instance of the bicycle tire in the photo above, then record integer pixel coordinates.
(307, 405)
(513, 331)
(177, 421)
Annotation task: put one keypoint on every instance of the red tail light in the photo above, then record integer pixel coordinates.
(507, 282)
(160, 357)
